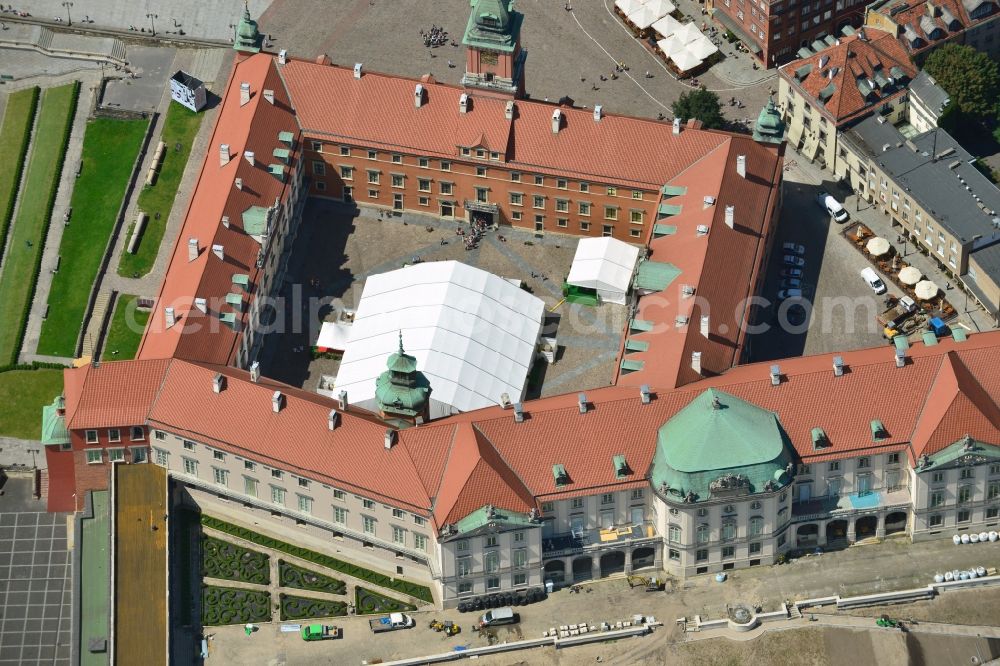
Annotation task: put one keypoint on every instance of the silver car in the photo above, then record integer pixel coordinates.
(792, 260)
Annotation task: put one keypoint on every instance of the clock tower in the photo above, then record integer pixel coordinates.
(494, 61)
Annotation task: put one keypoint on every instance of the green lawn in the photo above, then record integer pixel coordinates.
(24, 393)
(21, 266)
(179, 127)
(14, 137)
(109, 150)
(125, 332)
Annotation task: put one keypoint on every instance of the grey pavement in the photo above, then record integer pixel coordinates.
(21, 64)
(152, 66)
(22, 453)
(197, 18)
(35, 590)
(50, 254)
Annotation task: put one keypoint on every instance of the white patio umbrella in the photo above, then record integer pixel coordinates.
(878, 246)
(628, 6)
(666, 26)
(685, 60)
(643, 17)
(926, 290)
(687, 33)
(660, 7)
(670, 46)
(702, 47)
(910, 275)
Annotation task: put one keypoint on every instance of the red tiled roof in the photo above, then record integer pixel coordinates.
(712, 264)
(851, 58)
(476, 476)
(251, 127)
(915, 15)
(378, 111)
(241, 420)
(115, 394)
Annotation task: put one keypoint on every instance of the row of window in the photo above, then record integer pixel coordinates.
(117, 454)
(493, 583)
(964, 495)
(605, 499)
(864, 462)
(961, 516)
(319, 169)
(728, 532)
(491, 562)
(136, 434)
(966, 473)
(727, 552)
(489, 541)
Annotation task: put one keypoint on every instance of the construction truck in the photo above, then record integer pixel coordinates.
(320, 632)
(898, 318)
(390, 622)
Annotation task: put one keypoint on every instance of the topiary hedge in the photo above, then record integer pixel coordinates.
(367, 602)
(421, 592)
(290, 575)
(229, 605)
(221, 559)
(304, 608)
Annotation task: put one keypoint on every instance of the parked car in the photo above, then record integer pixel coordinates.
(498, 616)
(796, 314)
(320, 632)
(833, 207)
(391, 622)
(873, 280)
(791, 283)
(789, 293)
(792, 260)
(794, 248)
(791, 273)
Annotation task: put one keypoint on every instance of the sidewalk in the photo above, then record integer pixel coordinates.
(67, 180)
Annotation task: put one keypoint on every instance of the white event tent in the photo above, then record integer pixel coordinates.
(606, 265)
(628, 6)
(472, 333)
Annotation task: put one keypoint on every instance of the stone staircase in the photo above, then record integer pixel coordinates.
(96, 324)
(793, 612)
(44, 39)
(118, 51)
(43, 484)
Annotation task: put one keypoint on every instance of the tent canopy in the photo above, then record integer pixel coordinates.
(660, 7)
(670, 46)
(666, 26)
(702, 47)
(687, 33)
(685, 60)
(334, 335)
(605, 264)
(644, 17)
(472, 333)
(628, 6)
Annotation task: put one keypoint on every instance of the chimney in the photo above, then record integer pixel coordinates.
(677, 126)
(598, 112)
(741, 165)
(283, 57)
(244, 93)
(224, 154)
(219, 251)
(218, 383)
(556, 121)
(701, 230)
(277, 401)
(775, 374)
(269, 95)
(418, 96)
(342, 401)
(705, 325)
(644, 394)
(862, 36)
(508, 110)
(581, 401)
(900, 358)
(169, 315)
(255, 371)
(201, 305)
(390, 437)
(838, 366)
(192, 249)
(463, 103)
(238, 183)
(357, 70)
(823, 60)
(225, 221)
(696, 362)
(730, 216)
(248, 154)
(687, 290)
(518, 412)
(332, 419)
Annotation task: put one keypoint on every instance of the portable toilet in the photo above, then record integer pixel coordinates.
(939, 327)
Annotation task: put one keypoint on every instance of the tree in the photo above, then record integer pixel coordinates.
(701, 104)
(970, 77)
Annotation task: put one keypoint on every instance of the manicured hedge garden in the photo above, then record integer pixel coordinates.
(421, 592)
(221, 559)
(15, 134)
(304, 608)
(367, 602)
(304, 579)
(229, 605)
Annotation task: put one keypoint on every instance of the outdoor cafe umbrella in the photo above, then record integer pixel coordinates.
(877, 246)
(910, 275)
(926, 290)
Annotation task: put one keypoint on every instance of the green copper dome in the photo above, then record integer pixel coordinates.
(770, 128)
(402, 389)
(720, 445)
(247, 37)
(493, 25)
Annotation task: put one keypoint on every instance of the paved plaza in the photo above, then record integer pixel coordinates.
(340, 251)
(35, 573)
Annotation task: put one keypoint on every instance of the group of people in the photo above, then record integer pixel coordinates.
(436, 36)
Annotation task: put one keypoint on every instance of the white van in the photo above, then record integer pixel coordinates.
(874, 281)
(828, 203)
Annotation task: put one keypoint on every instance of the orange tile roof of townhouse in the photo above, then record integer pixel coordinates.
(854, 77)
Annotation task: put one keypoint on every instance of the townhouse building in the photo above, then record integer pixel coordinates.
(923, 25)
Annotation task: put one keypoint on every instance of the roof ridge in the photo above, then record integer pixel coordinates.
(482, 438)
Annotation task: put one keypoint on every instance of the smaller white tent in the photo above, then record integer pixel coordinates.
(670, 46)
(666, 26)
(334, 335)
(628, 6)
(660, 7)
(606, 265)
(644, 17)
(687, 33)
(702, 47)
(685, 60)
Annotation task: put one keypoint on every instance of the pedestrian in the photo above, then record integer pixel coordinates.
(248, 628)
